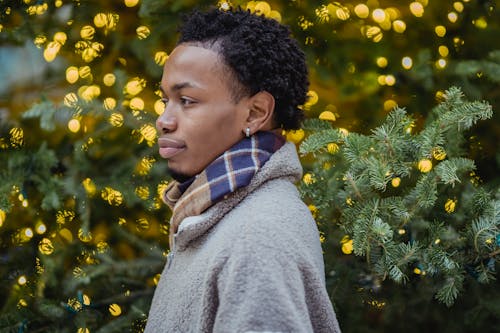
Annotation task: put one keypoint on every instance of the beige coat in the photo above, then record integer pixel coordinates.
(250, 263)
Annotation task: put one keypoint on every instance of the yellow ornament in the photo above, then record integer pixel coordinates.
(425, 165)
(438, 153)
(395, 181)
(449, 206)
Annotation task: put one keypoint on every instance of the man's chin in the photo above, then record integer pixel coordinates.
(178, 176)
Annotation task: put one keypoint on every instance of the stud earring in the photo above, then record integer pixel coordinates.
(247, 132)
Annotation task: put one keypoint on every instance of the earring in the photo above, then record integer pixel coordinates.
(247, 132)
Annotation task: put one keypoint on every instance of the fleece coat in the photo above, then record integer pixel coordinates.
(250, 263)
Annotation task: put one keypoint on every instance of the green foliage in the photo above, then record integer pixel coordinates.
(395, 229)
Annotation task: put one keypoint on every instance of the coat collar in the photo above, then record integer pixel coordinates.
(284, 163)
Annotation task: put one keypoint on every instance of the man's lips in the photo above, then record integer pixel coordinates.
(170, 147)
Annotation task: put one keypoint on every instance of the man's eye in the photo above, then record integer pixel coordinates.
(186, 101)
(164, 101)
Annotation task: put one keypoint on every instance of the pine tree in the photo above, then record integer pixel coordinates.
(406, 197)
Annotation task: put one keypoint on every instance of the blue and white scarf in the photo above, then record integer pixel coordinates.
(233, 169)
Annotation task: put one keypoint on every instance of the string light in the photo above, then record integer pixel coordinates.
(390, 80)
(452, 17)
(382, 62)
(74, 125)
(362, 10)
(389, 105)
(378, 15)
(417, 9)
(399, 26)
(407, 62)
(327, 115)
(131, 3)
(443, 51)
(440, 30)
(441, 63)
(41, 228)
(22, 280)
(143, 32)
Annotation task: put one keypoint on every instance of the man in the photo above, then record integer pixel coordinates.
(244, 249)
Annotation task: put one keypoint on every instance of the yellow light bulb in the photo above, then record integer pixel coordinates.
(143, 32)
(395, 182)
(312, 97)
(443, 51)
(72, 74)
(109, 79)
(480, 23)
(275, 15)
(137, 103)
(378, 15)
(407, 62)
(51, 51)
(131, 3)
(327, 115)
(87, 32)
(161, 57)
(28, 232)
(262, 8)
(390, 80)
(109, 103)
(362, 10)
(332, 148)
(41, 229)
(60, 37)
(440, 30)
(22, 280)
(425, 165)
(382, 62)
(399, 26)
(417, 9)
(459, 7)
(449, 206)
(100, 20)
(295, 136)
(159, 106)
(2, 217)
(452, 17)
(115, 310)
(389, 105)
(74, 125)
(441, 63)
(381, 80)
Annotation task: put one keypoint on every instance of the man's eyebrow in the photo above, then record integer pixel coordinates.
(179, 86)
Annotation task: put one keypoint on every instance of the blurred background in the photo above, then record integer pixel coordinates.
(83, 233)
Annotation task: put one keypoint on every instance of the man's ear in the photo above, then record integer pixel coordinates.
(261, 112)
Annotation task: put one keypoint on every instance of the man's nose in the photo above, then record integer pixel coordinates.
(166, 122)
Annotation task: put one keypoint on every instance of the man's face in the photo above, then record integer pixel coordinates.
(200, 120)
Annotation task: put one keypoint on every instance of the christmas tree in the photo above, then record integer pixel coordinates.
(400, 159)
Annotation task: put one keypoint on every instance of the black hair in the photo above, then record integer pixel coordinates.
(261, 54)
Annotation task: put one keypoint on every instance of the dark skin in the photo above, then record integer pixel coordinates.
(201, 120)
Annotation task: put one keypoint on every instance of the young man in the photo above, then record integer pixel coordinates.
(245, 251)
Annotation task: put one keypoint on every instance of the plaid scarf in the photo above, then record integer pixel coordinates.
(234, 169)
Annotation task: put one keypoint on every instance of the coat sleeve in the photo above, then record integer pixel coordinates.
(267, 291)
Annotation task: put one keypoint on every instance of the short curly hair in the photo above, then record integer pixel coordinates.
(259, 52)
